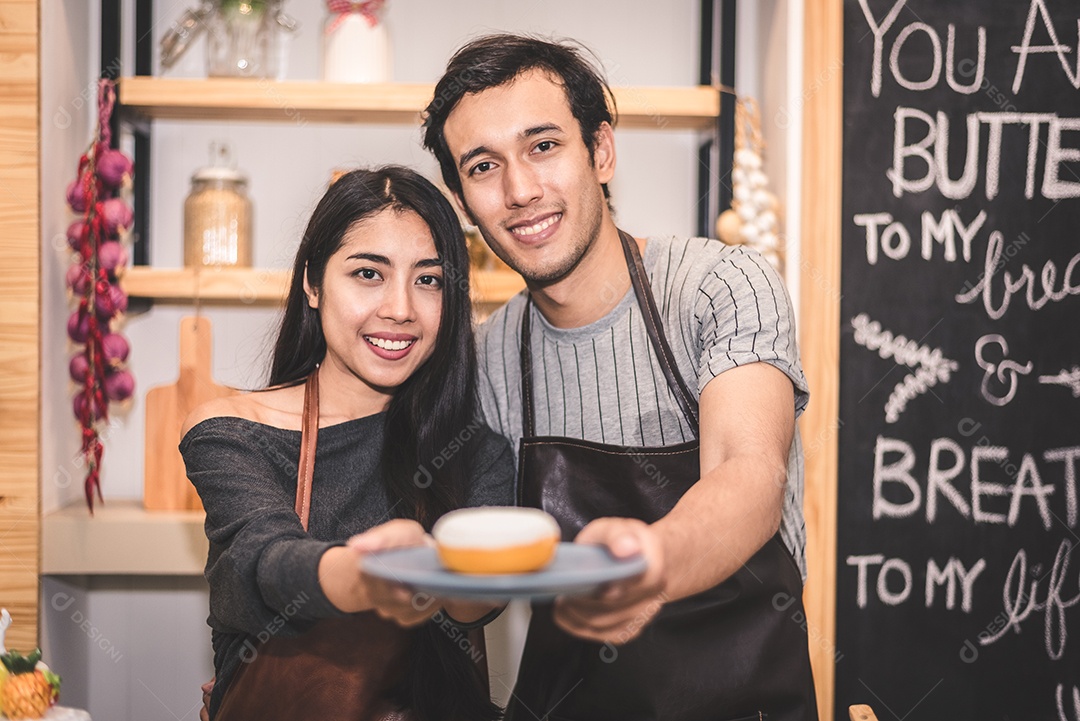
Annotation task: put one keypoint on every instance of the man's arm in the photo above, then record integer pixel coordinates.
(747, 426)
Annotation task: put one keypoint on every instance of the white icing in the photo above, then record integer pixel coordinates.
(494, 527)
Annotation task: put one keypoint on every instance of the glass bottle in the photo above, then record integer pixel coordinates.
(356, 43)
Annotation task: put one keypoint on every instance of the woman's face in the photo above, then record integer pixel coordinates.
(381, 300)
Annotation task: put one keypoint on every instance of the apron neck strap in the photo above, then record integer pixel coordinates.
(309, 434)
(654, 326)
(528, 415)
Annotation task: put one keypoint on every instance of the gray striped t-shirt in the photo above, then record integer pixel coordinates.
(721, 306)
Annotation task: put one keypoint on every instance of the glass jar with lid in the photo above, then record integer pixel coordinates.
(217, 216)
(245, 38)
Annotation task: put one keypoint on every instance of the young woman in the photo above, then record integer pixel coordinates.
(375, 361)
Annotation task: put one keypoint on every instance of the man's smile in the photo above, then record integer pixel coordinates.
(532, 228)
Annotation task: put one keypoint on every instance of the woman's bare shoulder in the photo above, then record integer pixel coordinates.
(279, 407)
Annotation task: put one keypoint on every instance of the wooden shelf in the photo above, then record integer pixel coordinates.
(244, 286)
(495, 286)
(123, 538)
(253, 286)
(695, 107)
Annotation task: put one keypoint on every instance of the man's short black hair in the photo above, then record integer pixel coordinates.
(494, 60)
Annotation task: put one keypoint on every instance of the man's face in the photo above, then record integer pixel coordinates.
(526, 177)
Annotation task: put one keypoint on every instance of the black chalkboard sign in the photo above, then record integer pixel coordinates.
(958, 575)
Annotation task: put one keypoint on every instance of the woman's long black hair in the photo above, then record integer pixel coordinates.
(428, 414)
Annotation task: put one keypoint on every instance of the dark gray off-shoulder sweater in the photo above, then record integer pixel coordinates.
(262, 566)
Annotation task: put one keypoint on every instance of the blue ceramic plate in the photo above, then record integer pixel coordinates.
(575, 570)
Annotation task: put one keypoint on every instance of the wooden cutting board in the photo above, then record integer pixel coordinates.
(165, 483)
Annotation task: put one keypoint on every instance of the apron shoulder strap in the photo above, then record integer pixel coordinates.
(655, 327)
(528, 417)
(309, 434)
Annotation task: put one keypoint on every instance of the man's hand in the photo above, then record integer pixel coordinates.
(620, 611)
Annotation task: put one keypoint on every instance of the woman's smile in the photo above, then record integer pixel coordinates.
(391, 346)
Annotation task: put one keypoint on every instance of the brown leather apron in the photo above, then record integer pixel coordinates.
(735, 651)
(341, 668)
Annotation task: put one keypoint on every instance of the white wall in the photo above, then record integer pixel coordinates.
(127, 648)
(769, 46)
(156, 645)
(68, 96)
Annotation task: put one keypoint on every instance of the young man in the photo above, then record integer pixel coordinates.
(651, 389)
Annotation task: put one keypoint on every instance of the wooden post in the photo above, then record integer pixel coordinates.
(20, 318)
(820, 334)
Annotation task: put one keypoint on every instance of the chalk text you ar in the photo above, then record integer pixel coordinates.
(964, 76)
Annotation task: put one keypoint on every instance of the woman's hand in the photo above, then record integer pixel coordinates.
(392, 600)
(397, 601)
(207, 689)
(352, 590)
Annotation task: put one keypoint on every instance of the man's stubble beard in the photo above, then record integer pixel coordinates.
(580, 245)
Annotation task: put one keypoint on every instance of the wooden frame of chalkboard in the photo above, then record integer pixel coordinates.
(941, 339)
(819, 304)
